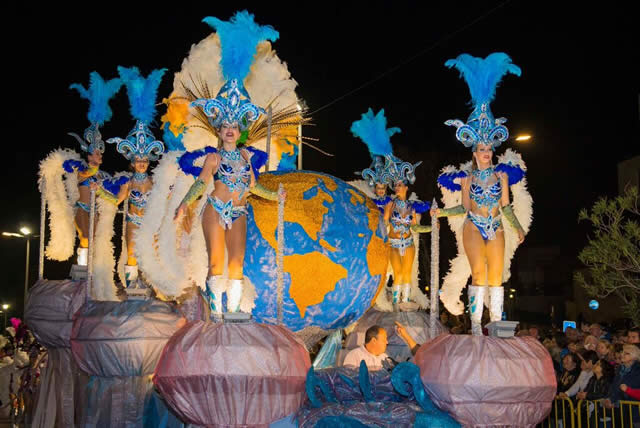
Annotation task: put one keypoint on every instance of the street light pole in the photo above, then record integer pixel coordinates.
(26, 275)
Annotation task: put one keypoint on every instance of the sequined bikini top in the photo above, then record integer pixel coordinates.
(138, 199)
(234, 171)
(90, 175)
(401, 216)
(483, 190)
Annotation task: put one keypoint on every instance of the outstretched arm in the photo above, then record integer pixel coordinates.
(198, 187)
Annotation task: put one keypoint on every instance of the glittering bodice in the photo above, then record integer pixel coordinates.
(485, 189)
(233, 171)
(401, 216)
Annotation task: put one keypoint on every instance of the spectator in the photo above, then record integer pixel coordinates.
(619, 336)
(570, 372)
(605, 351)
(534, 331)
(372, 352)
(589, 359)
(631, 392)
(598, 386)
(573, 347)
(572, 334)
(617, 354)
(596, 331)
(627, 374)
(633, 335)
(561, 342)
(590, 343)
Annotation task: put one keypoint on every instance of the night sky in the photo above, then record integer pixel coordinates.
(577, 96)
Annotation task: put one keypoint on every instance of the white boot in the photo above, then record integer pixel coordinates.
(234, 295)
(215, 288)
(395, 294)
(476, 306)
(131, 276)
(83, 256)
(496, 294)
(406, 293)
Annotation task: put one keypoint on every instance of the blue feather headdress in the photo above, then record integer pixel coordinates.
(98, 94)
(386, 168)
(482, 77)
(142, 93)
(239, 38)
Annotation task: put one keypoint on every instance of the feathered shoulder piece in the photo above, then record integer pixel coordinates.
(98, 94)
(142, 93)
(450, 176)
(482, 77)
(511, 163)
(186, 162)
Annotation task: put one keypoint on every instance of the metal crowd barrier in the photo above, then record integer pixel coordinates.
(562, 415)
(594, 414)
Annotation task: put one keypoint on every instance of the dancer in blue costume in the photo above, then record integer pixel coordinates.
(139, 147)
(233, 166)
(485, 190)
(399, 213)
(98, 94)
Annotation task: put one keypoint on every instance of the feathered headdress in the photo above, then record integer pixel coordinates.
(386, 168)
(239, 38)
(482, 77)
(142, 93)
(98, 94)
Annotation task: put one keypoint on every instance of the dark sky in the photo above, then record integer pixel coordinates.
(578, 94)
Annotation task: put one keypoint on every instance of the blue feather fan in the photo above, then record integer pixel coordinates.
(98, 94)
(142, 92)
(239, 38)
(483, 75)
(372, 130)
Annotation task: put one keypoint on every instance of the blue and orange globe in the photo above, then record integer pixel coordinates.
(335, 257)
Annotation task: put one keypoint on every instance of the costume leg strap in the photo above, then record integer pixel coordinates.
(476, 306)
(131, 275)
(496, 295)
(395, 293)
(83, 256)
(406, 293)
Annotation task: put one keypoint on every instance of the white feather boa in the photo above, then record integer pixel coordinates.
(382, 301)
(60, 203)
(104, 287)
(460, 270)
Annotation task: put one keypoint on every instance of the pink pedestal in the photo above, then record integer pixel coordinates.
(233, 374)
(487, 381)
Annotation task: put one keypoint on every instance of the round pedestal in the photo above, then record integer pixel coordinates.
(122, 338)
(233, 374)
(416, 323)
(50, 308)
(487, 381)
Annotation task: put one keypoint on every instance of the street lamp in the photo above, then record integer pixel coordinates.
(523, 137)
(25, 233)
(4, 312)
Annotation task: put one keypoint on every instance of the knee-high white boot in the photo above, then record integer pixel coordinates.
(215, 288)
(131, 276)
(476, 306)
(234, 295)
(496, 294)
(83, 256)
(395, 294)
(406, 293)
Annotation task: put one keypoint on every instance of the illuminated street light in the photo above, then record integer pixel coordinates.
(5, 306)
(513, 290)
(15, 235)
(523, 137)
(511, 296)
(25, 231)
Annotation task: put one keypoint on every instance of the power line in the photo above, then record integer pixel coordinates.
(410, 59)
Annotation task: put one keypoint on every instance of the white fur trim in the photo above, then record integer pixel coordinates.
(104, 287)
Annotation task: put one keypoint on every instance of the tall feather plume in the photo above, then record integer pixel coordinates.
(239, 38)
(372, 130)
(142, 92)
(98, 94)
(483, 75)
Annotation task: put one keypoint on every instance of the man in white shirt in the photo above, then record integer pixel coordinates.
(372, 352)
(589, 359)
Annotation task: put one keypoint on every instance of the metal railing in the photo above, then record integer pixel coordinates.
(593, 413)
(562, 415)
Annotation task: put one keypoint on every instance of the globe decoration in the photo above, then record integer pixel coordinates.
(335, 257)
(593, 304)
